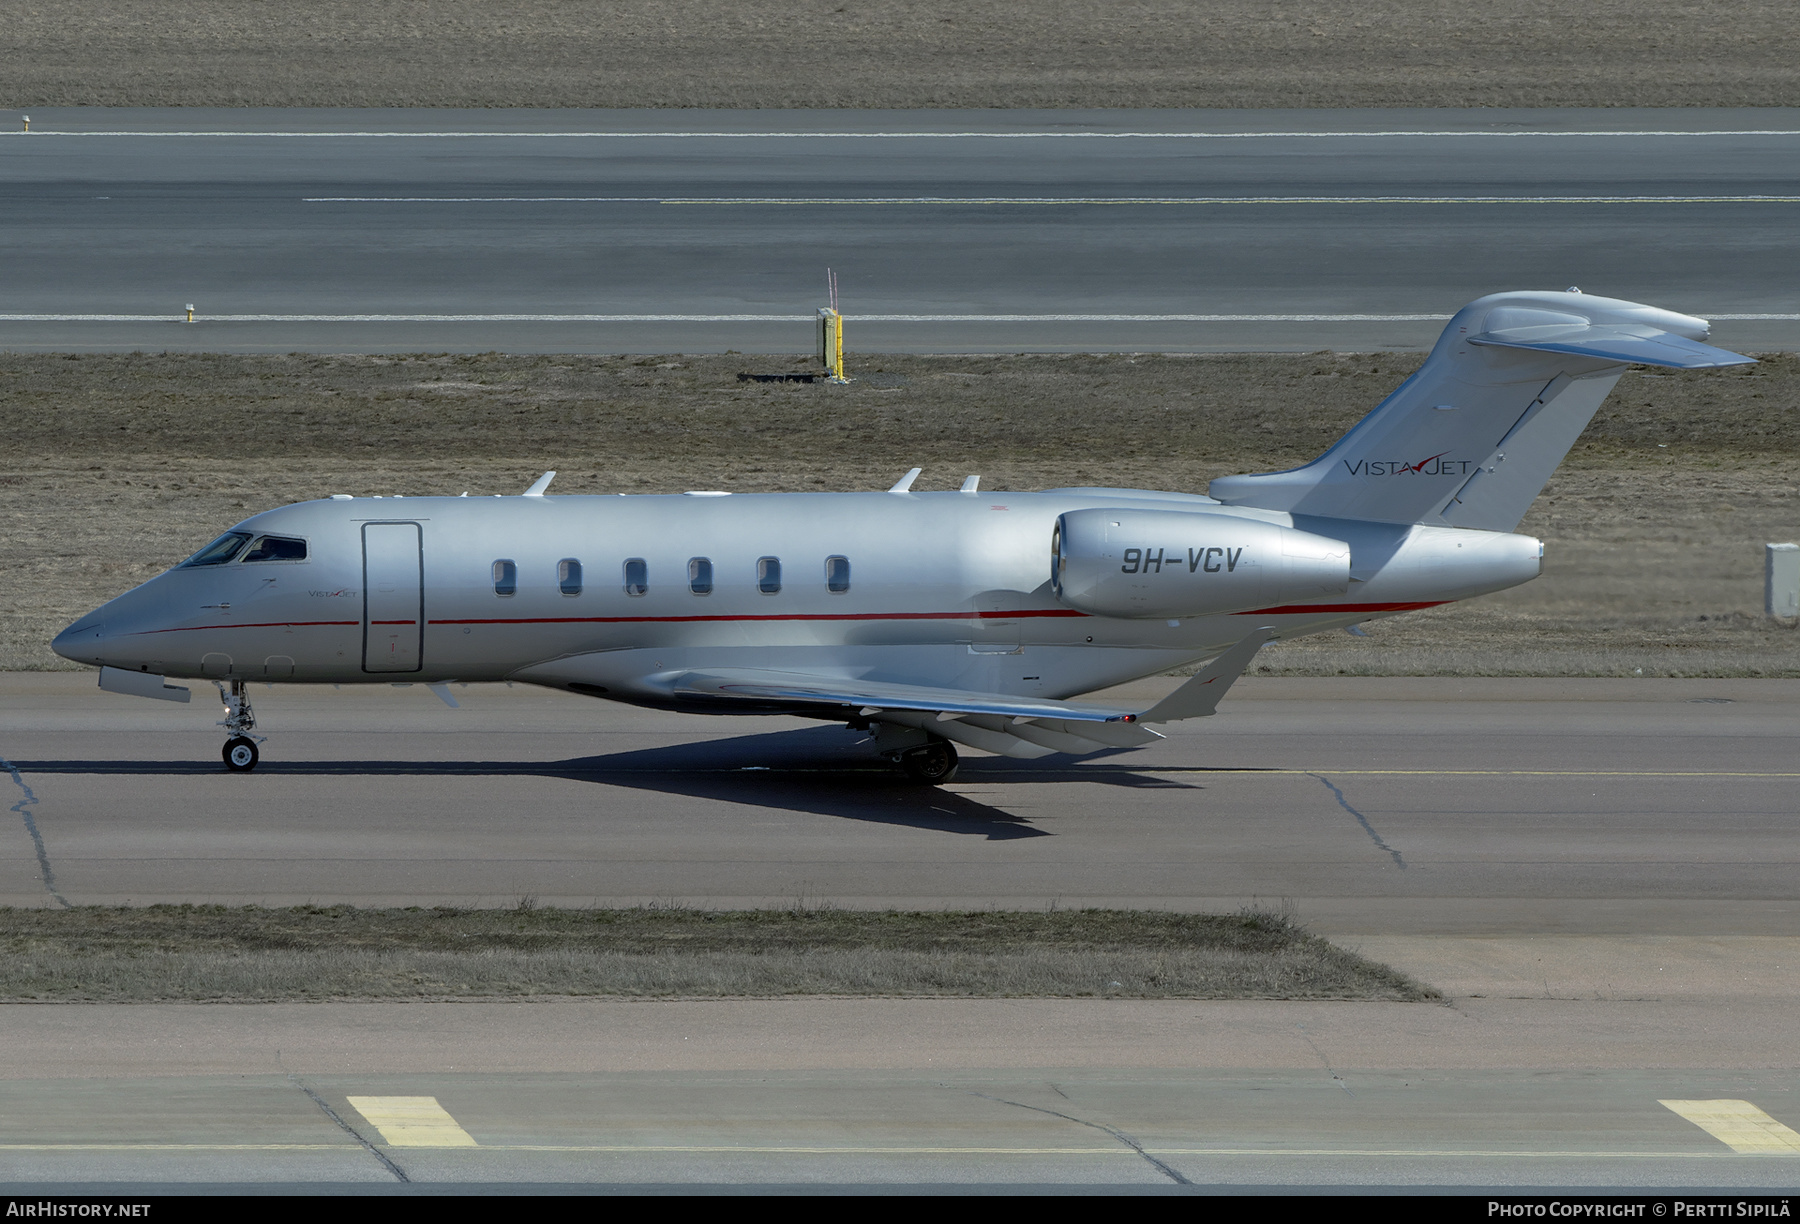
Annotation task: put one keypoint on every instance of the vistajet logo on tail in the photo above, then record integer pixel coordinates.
(1437, 465)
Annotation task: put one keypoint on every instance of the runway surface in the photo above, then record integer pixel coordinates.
(1487, 1092)
(664, 231)
(1375, 806)
(1599, 874)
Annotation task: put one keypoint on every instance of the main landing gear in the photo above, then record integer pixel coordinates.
(934, 764)
(925, 757)
(240, 751)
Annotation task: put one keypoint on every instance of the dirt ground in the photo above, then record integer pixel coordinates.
(897, 53)
(113, 467)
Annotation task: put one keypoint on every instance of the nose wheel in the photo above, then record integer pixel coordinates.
(240, 754)
(240, 751)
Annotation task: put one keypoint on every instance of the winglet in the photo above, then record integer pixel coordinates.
(1199, 697)
(540, 484)
(904, 484)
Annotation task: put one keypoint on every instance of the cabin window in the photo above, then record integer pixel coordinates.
(506, 578)
(700, 580)
(277, 548)
(220, 550)
(768, 575)
(568, 576)
(637, 576)
(837, 574)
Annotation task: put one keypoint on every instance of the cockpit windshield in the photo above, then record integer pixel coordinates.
(276, 548)
(220, 550)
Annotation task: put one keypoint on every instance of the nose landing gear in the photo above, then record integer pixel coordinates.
(240, 754)
(240, 751)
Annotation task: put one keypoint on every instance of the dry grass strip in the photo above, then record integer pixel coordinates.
(897, 53)
(218, 954)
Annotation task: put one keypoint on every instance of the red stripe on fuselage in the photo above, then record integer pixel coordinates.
(259, 625)
(794, 616)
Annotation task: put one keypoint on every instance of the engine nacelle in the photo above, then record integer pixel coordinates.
(1175, 563)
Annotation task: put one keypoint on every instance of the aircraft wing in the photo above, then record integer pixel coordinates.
(995, 722)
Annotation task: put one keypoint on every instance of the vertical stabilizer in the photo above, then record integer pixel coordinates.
(1471, 438)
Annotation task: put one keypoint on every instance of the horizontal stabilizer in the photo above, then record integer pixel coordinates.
(1473, 436)
(1199, 697)
(1637, 345)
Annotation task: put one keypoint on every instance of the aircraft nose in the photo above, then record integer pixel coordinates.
(83, 641)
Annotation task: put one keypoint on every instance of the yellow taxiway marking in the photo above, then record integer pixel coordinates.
(1741, 1126)
(412, 1121)
(1107, 1151)
(625, 1149)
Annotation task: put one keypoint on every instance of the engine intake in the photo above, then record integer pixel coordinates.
(1175, 563)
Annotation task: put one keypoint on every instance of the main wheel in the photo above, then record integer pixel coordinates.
(934, 764)
(240, 754)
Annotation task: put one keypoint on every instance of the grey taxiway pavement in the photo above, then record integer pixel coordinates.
(1376, 806)
(1598, 874)
(611, 231)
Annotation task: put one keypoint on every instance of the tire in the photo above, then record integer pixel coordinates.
(240, 754)
(934, 764)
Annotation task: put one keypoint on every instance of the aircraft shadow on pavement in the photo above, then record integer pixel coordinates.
(822, 770)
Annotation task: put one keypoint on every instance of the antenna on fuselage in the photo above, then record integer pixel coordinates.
(971, 484)
(904, 484)
(539, 485)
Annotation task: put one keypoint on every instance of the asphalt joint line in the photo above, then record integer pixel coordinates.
(1114, 1131)
(1361, 820)
(1329, 1069)
(370, 1148)
(23, 808)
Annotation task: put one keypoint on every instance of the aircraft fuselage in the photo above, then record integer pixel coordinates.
(947, 589)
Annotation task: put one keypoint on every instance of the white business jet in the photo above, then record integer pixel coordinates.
(926, 620)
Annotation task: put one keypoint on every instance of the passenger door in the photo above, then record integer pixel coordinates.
(393, 597)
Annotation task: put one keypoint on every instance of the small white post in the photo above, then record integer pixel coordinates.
(1781, 580)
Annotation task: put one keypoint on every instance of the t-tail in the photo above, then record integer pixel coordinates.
(1472, 437)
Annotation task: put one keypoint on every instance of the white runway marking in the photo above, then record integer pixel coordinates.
(733, 318)
(1764, 317)
(1001, 201)
(967, 135)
